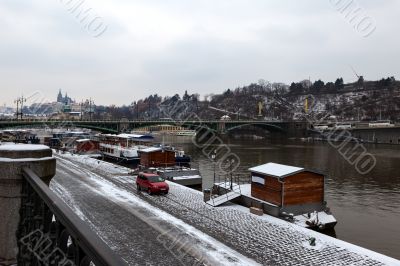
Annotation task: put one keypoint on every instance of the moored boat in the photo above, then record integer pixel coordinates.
(181, 159)
(291, 193)
(182, 175)
(123, 147)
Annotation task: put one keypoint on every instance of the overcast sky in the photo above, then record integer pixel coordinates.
(203, 46)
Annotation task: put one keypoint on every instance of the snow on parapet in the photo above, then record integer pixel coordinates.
(274, 169)
(22, 147)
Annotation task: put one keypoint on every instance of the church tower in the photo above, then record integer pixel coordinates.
(59, 97)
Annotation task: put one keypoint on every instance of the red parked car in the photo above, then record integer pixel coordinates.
(152, 183)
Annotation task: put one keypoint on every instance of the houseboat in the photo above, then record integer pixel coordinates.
(19, 136)
(66, 140)
(181, 159)
(185, 133)
(157, 157)
(87, 146)
(291, 193)
(185, 176)
(123, 147)
(162, 160)
(382, 123)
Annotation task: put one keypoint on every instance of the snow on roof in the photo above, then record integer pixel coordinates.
(75, 132)
(151, 149)
(22, 147)
(15, 130)
(82, 140)
(128, 136)
(274, 169)
(133, 136)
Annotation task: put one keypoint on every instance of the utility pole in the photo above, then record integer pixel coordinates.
(81, 110)
(90, 108)
(17, 113)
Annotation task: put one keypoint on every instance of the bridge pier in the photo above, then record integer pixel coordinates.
(12, 159)
(221, 129)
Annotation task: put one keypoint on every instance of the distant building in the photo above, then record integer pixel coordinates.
(65, 100)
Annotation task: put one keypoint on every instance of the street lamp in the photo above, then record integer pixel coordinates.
(213, 158)
(20, 102)
(230, 165)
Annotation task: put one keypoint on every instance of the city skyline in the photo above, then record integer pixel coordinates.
(207, 47)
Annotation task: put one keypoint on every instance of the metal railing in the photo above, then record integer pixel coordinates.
(224, 189)
(50, 233)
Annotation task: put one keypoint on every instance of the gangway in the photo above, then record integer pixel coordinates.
(230, 191)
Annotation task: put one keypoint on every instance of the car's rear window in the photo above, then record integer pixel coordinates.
(156, 179)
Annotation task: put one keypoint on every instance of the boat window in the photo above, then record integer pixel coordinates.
(258, 180)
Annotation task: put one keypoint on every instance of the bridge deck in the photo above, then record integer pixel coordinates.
(267, 240)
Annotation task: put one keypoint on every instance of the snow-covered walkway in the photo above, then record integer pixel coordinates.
(266, 240)
(141, 233)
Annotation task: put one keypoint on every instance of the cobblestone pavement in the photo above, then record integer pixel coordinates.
(267, 242)
(128, 235)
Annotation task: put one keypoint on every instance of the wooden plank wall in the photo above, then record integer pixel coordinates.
(157, 159)
(270, 192)
(303, 188)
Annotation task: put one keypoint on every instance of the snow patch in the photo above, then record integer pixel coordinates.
(22, 147)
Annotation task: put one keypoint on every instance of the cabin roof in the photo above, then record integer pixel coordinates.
(276, 170)
(151, 149)
(82, 140)
(133, 136)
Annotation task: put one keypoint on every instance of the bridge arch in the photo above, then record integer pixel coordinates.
(265, 126)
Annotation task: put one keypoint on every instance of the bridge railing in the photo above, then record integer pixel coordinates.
(50, 233)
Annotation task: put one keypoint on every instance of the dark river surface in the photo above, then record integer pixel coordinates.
(367, 206)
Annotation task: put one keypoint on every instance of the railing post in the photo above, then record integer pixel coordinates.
(12, 159)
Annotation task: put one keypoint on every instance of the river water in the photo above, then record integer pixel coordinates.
(367, 206)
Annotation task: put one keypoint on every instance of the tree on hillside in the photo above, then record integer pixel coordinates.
(228, 92)
(318, 85)
(339, 84)
(296, 88)
(330, 87)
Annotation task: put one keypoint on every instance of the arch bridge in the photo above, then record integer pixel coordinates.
(117, 126)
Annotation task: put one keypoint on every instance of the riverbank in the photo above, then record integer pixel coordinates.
(265, 239)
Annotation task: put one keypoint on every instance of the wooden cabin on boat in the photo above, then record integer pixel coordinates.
(157, 157)
(87, 146)
(293, 189)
